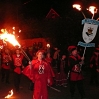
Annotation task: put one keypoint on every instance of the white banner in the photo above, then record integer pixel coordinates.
(89, 32)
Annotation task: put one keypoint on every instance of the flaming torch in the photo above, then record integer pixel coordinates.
(78, 7)
(9, 37)
(10, 94)
(93, 10)
(12, 40)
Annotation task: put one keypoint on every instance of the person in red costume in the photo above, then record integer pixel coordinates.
(60, 78)
(17, 60)
(94, 67)
(76, 78)
(6, 65)
(48, 58)
(40, 72)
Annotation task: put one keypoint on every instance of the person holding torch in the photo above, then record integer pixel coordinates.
(40, 72)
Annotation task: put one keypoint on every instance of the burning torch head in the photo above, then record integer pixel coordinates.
(77, 6)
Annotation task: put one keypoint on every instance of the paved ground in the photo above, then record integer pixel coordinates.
(91, 91)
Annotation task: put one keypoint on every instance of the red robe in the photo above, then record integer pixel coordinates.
(39, 74)
(48, 60)
(17, 63)
(75, 73)
(61, 78)
(6, 60)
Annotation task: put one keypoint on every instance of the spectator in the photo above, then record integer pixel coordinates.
(6, 65)
(94, 66)
(17, 60)
(61, 78)
(56, 59)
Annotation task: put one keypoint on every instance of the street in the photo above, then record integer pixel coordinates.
(92, 92)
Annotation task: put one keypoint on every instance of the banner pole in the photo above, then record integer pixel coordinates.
(84, 51)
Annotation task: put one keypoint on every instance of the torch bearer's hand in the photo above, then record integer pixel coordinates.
(82, 61)
(82, 58)
(30, 64)
(48, 80)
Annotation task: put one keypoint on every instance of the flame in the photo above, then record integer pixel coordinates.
(13, 32)
(10, 94)
(13, 28)
(4, 31)
(77, 6)
(9, 37)
(92, 9)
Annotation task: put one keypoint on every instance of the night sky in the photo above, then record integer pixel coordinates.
(39, 8)
(14, 11)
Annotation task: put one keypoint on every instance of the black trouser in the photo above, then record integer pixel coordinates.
(94, 77)
(17, 78)
(80, 88)
(5, 74)
(31, 86)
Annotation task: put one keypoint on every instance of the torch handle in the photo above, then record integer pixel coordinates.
(84, 51)
(80, 64)
(92, 16)
(24, 53)
(83, 15)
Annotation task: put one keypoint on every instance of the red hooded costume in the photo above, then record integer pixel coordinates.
(39, 73)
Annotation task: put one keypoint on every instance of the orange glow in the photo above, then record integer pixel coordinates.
(10, 94)
(93, 9)
(9, 37)
(48, 45)
(77, 6)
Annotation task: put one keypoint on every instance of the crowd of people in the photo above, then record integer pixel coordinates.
(45, 68)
